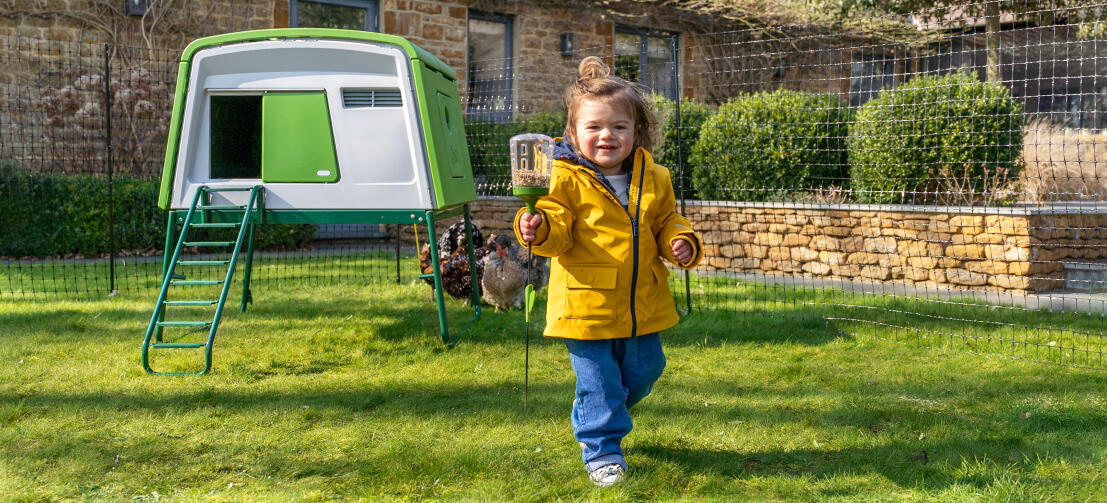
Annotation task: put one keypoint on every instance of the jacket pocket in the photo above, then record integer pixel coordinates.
(591, 292)
(660, 271)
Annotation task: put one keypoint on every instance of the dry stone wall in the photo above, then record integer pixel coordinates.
(1009, 250)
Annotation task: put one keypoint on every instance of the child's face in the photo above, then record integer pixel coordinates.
(605, 134)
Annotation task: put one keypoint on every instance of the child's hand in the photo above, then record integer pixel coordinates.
(528, 225)
(682, 250)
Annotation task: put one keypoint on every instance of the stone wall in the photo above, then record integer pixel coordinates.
(103, 21)
(1010, 250)
(440, 27)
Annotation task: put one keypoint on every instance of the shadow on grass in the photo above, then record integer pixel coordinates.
(999, 434)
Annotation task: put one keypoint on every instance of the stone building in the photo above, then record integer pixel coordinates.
(514, 54)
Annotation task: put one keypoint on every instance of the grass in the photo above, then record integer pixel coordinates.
(341, 390)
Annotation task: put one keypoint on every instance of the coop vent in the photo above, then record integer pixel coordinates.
(371, 98)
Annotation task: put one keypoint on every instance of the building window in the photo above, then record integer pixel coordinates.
(346, 14)
(489, 69)
(868, 76)
(647, 57)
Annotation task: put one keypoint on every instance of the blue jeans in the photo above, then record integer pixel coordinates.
(612, 376)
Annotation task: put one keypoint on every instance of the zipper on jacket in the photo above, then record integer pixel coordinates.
(634, 232)
(634, 235)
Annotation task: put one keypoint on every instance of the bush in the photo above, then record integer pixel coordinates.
(764, 146)
(692, 116)
(48, 215)
(935, 139)
(489, 150)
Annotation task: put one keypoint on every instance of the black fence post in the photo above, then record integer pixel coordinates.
(111, 171)
(674, 48)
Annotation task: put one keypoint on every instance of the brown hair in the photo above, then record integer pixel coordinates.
(596, 82)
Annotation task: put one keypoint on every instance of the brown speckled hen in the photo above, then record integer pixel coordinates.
(504, 278)
(454, 261)
(504, 275)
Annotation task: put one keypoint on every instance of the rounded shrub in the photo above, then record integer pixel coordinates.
(670, 151)
(772, 145)
(935, 139)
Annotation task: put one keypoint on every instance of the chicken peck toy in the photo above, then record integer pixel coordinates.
(531, 156)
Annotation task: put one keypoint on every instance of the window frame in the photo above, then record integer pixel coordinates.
(372, 11)
(644, 34)
(509, 64)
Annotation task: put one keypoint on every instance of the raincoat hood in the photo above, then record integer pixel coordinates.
(566, 151)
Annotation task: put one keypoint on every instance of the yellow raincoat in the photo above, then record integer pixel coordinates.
(607, 280)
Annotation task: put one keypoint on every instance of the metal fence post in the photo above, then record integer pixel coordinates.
(111, 181)
(674, 48)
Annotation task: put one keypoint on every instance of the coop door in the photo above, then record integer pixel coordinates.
(235, 137)
(297, 142)
(450, 167)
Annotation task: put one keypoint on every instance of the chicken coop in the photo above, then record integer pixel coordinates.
(292, 126)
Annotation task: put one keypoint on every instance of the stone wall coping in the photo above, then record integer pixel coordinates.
(1059, 208)
(500, 198)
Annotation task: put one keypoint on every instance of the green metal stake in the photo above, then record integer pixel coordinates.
(530, 196)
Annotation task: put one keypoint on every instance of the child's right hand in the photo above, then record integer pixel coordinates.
(528, 225)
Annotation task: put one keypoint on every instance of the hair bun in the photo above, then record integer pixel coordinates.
(593, 67)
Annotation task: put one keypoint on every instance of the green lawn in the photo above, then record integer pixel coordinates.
(339, 389)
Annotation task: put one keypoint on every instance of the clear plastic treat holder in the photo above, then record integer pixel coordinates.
(531, 156)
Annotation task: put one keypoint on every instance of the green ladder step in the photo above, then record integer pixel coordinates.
(203, 262)
(215, 225)
(221, 207)
(197, 282)
(184, 323)
(228, 189)
(208, 243)
(178, 344)
(191, 302)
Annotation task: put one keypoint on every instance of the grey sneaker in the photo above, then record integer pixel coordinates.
(607, 475)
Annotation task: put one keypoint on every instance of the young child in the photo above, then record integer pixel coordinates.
(609, 219)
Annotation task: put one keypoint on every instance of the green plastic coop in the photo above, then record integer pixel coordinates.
(306, 125)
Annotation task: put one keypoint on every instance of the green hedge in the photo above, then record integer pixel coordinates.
(768, 145)
(48, 215)
(934, 135)
(692, 116)
(488, 141)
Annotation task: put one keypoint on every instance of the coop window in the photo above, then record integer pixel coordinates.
(345, 14)
(372, 98)
(236, 136)
(647, 57)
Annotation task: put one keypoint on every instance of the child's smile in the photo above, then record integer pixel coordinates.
(605, 134)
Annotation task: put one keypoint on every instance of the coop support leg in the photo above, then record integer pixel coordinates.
(475, 298)
(166, 260)
(439, 292)
(247, 295)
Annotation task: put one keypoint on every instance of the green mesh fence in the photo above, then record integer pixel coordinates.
(931, 177)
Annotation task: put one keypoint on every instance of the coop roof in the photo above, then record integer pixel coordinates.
(413, 52)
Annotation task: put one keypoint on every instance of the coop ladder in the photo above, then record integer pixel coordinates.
(202, 213)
